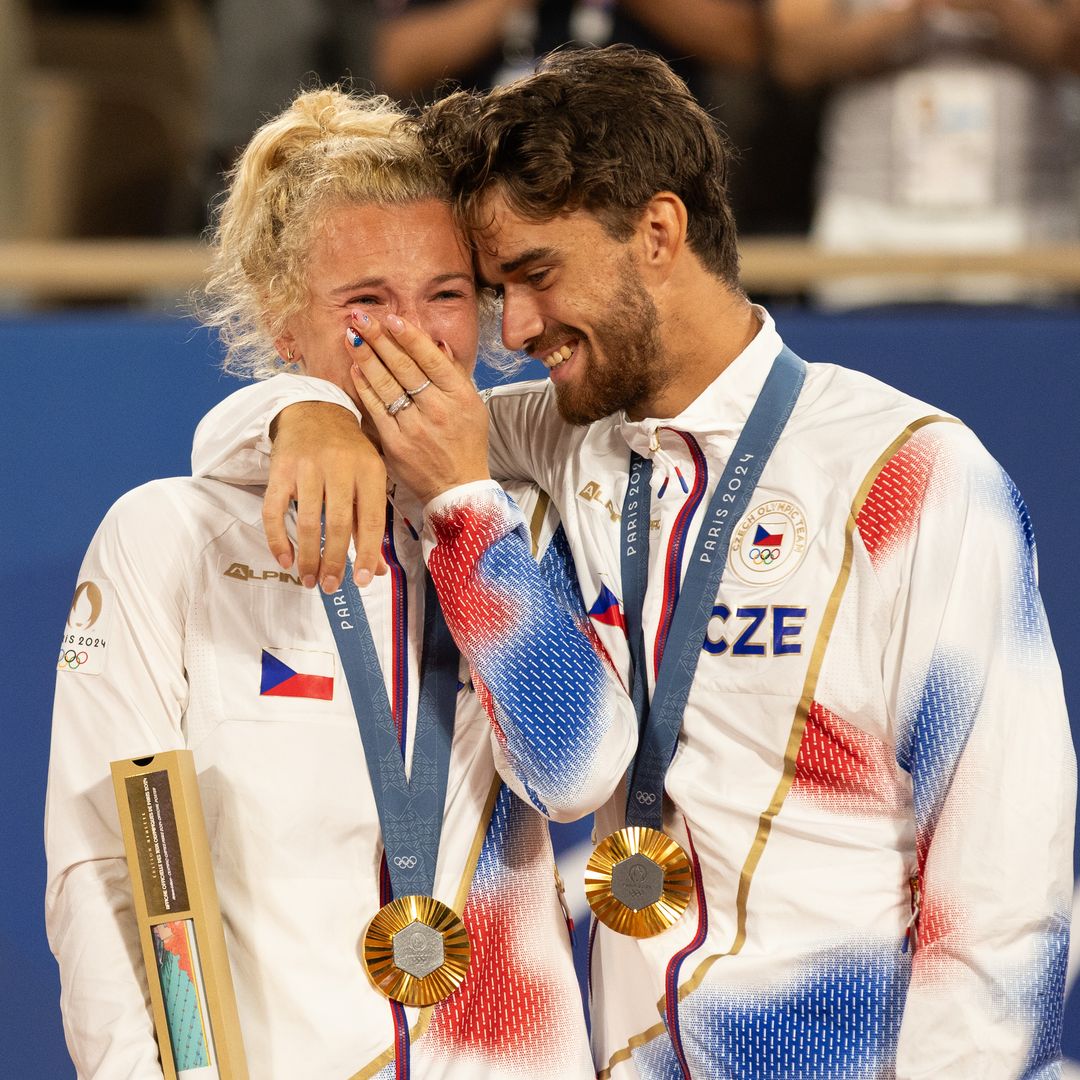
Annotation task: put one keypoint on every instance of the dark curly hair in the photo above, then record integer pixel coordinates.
(601, 130)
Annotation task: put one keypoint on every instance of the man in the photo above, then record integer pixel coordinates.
(870, 773)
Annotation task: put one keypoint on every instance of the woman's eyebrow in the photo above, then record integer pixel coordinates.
(378, 282)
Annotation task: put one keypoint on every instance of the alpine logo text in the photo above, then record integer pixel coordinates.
(242, 572)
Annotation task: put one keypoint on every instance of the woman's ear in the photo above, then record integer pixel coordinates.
(286, 348)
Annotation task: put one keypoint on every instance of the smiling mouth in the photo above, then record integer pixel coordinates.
(559, 356)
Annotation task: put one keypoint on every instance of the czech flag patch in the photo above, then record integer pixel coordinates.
(764, 538)
(295, 673)
(607, 610)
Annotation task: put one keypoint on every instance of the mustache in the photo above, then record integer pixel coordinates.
(547, 341)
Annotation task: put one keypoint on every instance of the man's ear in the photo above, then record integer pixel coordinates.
(662, 234)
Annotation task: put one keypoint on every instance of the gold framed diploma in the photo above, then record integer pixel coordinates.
(179, 918)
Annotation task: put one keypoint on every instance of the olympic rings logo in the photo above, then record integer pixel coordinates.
(405, 862)
(71, 659)
(646, 798)
(765, 556)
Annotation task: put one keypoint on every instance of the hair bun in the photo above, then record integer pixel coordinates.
(331, 112)
(315, 119)
(316, 116)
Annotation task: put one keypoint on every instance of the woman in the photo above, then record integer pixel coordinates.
(332, 214)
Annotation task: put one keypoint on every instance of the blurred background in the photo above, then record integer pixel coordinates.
(907, 188)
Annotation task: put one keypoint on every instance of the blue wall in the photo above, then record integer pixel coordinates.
(94, 404)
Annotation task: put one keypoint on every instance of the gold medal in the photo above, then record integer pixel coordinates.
(416, 950)
(638, 881)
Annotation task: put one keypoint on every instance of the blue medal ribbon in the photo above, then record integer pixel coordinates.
(410, 808)
(660, 720)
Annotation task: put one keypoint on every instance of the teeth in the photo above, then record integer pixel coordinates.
(559, 356)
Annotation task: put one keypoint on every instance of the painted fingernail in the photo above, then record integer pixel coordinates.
(395, 322)
(362, 577)
(309, 581)
(354, 339)
(330, 584)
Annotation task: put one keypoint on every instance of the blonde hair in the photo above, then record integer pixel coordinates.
(328, 148)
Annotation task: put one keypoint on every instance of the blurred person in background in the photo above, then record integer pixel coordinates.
(264, 50)
(951, 125)
(333, 214)
(483, 43)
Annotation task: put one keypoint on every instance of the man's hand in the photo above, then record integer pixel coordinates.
(438, 440)
(323, 461)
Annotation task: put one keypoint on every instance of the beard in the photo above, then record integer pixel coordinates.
(623, 365)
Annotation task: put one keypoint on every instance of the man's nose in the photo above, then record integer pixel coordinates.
(521, 322)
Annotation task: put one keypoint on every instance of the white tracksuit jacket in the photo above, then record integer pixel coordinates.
(875, 775)
(179, 642)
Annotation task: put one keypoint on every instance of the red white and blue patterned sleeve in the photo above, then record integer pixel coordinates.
(563, 727)
(974, 689)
